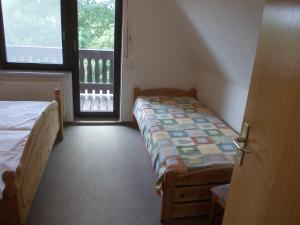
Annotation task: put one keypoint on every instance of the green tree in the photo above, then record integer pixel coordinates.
(96, 24)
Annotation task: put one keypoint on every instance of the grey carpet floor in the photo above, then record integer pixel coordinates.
(99, 175)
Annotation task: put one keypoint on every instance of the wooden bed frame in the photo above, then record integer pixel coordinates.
(186, 194)
(21, 186)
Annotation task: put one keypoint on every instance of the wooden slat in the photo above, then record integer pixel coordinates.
(191, 209)
(89, 71)
(111, 71)
(97, 74)
(110, 104)
(163, 92)
(103, 104)
(206, 176)
(82, 100)
(194, 193)
(81, 70)
(87, 104)
(86, 73)
(104, 71)
(95, 103)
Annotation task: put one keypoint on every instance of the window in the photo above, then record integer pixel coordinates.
(32, 32)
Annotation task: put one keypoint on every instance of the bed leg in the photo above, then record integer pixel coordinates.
(11, 213)
(168, 195)
(57, 98)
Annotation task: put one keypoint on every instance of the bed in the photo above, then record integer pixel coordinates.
(191, 150)
(28, 131)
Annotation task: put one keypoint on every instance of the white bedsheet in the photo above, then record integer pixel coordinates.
(17, 119)
(20, 115)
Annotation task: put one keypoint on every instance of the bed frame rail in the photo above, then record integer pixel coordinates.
(188, 194)
(163, 92)
(21, 186)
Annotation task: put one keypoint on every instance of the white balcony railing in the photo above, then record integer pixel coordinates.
(96, 67)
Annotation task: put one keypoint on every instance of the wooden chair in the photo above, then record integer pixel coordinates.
(219, 197)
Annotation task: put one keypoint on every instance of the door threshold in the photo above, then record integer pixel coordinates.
(97, 121)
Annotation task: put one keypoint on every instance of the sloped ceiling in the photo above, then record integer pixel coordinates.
(222, 34)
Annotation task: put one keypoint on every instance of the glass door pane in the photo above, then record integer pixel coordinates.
(32, 31)
(96, 34)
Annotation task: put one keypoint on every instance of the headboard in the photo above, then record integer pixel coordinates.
(164, 92)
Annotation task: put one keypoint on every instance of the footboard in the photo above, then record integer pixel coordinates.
(21, 186)
(188, 194)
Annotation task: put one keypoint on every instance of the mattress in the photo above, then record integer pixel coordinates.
(182, 135)
(17, 119)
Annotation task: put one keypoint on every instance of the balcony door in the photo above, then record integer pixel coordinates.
(97, 72)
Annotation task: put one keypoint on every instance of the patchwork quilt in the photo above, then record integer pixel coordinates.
(180, 134)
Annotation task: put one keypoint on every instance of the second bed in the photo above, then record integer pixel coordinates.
(191, 149)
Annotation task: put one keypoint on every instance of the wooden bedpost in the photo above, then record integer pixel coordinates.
(136, 93)
(10, 199)
(168, 195)
(193, 92)
(57, 98)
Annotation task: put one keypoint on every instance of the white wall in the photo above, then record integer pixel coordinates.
(223, 36)
(158, 54)
(224, 98)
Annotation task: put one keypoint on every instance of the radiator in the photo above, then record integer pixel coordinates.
(37, 86)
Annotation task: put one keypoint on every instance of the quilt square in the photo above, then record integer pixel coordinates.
(168, 151)
(174, 127)
(206, 126)
(213, 119)
(189, 110)
(188, 150)
(200, 120)
(156, 128)
(228, 147)
(183, 141)
(209, 149)
(179, 115)
(150, 147)
(189, 127)
(148, 111)
(160, 135)
(164, 142)
(194, 115)
(229, 132)
(178, 134)
(202, 140)
(213, 132)
(184, 121)
(146, 106)
(161, 111)
(221, 139)
(196, 133)
(164, 116)
(176, 110)
(168, 121)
